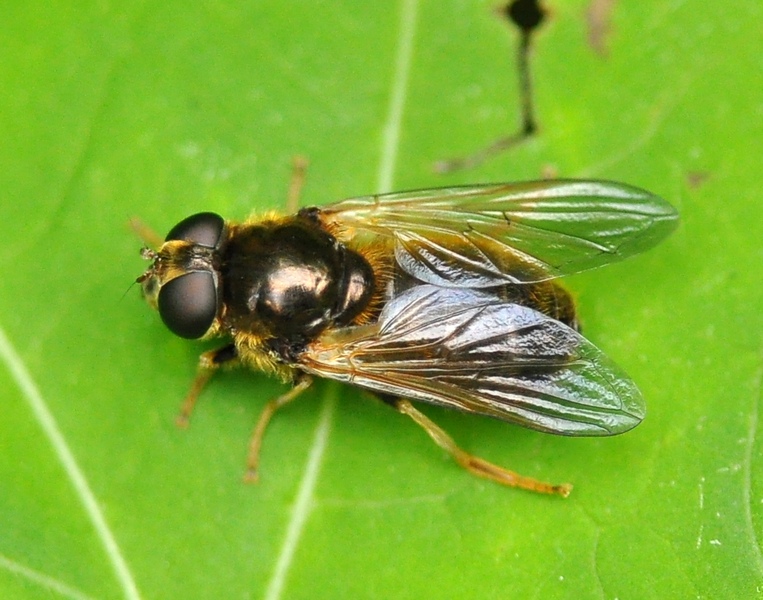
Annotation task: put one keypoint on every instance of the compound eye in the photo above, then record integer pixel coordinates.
(204, 229)
(188, 304)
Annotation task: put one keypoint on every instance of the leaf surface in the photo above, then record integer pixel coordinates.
(159, 110)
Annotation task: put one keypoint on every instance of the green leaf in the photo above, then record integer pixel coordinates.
(158, 110)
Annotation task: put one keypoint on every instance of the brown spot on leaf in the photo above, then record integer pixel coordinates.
(695, 179)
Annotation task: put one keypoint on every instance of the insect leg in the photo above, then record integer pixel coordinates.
(146, 234)
(475, 464)
(253, 459)
(298, 173)
(209, 362)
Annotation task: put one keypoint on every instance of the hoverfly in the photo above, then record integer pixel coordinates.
(444, 296)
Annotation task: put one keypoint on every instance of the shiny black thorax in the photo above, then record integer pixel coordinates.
(290, 280)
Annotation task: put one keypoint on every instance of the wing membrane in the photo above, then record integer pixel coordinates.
(488, 235)
(470, 351)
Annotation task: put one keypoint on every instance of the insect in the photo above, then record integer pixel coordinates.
(443, 296)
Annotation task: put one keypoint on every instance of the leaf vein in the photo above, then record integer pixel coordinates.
(305, 501)
(47, 422)
(752, 433)
(41, 579)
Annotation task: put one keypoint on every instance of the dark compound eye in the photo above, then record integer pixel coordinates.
(203, 229)
(188, 304)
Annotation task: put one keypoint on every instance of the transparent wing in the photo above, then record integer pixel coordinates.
(470, 351)
(488, 235)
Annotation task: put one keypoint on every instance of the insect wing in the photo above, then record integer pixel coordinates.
(487, 235)
(470, 351)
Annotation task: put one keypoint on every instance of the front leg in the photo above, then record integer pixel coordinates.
(209, 362)
(301, 383)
